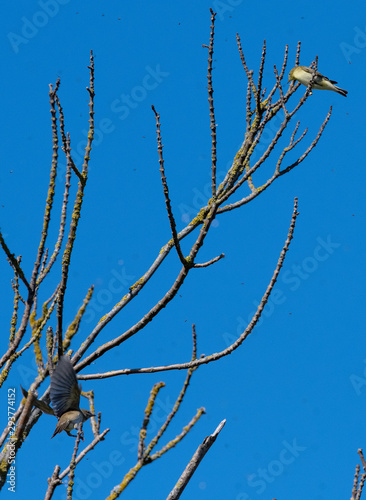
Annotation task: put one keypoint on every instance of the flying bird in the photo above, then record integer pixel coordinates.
(65, 398)
(303, 74)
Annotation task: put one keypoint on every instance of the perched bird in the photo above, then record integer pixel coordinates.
(303, 74)
(65, 397)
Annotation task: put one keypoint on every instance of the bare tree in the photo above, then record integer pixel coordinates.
(30, 319)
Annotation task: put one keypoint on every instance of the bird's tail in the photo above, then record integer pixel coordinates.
(39, 404)
(341, 91)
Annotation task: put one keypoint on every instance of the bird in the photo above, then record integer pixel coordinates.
(303, 74)
(65, 398)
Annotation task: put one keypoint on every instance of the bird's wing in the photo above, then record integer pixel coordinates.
(326, 78)
(318, 76)
(65, 391)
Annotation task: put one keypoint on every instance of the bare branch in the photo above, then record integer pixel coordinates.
(73, 328)
(246, 69)
(355, 482)
(279, 86)
(166, 192)
(194, 463)
(297, 60)
(66, 142)
(73, 462)
(148, 411)
(76, 213)
(260, 77)
(17, 297)
(53, 481)
(284, 64)
(211, 105)
(249, 108)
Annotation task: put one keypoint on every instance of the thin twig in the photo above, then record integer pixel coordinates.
(94, 424)
(210, 262)
(166, 191)
(363, 461)
(14, 262)
(163, 428)
(86, 450)
(73, 327)
(246, 69)
(360, 486)
(194, 339)
(173, 442)
(311, 147)
(148, 411)
(260, 76)
(211, 106)
(14, 317)
(297, 60)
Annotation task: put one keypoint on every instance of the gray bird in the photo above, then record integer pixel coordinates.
(65, 397)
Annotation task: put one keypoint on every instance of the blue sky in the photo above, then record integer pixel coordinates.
(294, 394)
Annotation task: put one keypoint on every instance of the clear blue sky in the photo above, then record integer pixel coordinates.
(294, 395)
